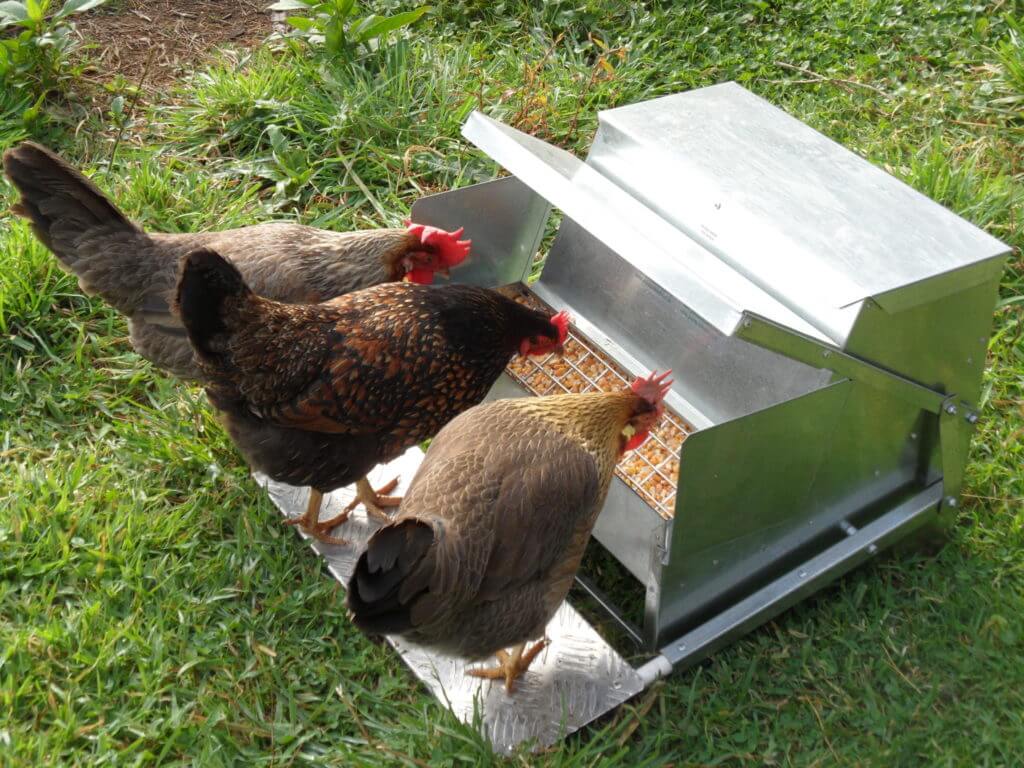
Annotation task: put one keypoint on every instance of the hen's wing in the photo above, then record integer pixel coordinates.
(382, 369)
(504, 496)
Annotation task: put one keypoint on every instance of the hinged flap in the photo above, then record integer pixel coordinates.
(687, 271)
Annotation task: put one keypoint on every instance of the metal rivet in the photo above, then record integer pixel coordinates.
(803, 574)
(951, 409)
(950, 501)
(826, 353)
(681, 647)
(972, 418)
(872, 549)
(913, 435)
(746, 323)
(970, 361)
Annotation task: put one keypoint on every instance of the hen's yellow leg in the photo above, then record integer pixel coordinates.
(511, 666)
(374, 500)
(310, 520)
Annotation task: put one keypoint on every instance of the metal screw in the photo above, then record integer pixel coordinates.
(950, 501)
(951, 409)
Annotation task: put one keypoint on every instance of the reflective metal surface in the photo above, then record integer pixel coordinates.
(718, 377)
(577, 678)
(742, 503)
(942, 344)
(812, 352)
(613, 215)
(808, 221)
(798, 583)
(505, 220)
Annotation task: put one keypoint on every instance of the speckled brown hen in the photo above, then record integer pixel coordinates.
(318, 394)
(135, 271)
(493, 527)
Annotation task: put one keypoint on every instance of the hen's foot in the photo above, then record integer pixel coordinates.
(374, 501)
(311, 523)
(511, 666)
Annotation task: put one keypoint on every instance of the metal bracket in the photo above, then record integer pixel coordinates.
(798, 346)
(956, 422)
(956, 419)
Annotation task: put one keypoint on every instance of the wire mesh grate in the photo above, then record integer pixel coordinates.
(652, 469)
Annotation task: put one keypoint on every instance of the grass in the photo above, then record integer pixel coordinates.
(153, 610)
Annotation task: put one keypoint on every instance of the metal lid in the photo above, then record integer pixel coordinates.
(740, 207)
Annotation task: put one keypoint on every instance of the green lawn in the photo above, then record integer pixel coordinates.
(154, 611)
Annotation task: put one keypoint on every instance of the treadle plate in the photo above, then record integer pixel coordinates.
(575, 680)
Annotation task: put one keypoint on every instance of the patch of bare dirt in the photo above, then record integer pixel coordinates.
(178, 35)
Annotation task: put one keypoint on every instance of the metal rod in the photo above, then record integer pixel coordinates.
(798, 346)
(793, 586)
(605, 602)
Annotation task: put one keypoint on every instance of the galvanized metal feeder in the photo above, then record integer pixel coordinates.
(827, 326)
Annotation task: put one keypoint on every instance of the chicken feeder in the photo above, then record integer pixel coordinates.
(827, 326)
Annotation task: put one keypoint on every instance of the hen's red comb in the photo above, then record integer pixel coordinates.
(561, 322)
(449, 248)
(653, 387)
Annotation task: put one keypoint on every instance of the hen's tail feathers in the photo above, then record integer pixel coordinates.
(76, 221)
(386, 580)
(206, 284)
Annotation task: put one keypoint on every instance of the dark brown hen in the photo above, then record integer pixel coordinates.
(319, 394)
(135, 271)
(493, 527)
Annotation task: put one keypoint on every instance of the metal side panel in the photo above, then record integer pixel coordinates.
(793, 586)
(718, 377)
(576, 679)
(942, 343)
(505, 220)
(742, 496)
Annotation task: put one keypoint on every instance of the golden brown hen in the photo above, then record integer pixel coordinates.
(135, 271)
(319, 394)
(493, 527)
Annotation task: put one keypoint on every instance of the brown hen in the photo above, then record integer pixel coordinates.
(135, 271)
(493, 527)
(319, 394)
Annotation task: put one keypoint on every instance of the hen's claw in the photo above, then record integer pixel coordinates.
(310, 521)
(374, 500)
(511, 666)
